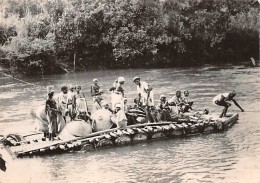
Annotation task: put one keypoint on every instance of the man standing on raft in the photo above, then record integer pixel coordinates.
(222, 99)
(145, 96)
(145, 93)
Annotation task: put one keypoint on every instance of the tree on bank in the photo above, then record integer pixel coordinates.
(44, 37)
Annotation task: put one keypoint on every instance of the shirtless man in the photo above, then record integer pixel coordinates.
(95, 89)
(187, 102)
(221, 100)
(119, 93)
(177, 101)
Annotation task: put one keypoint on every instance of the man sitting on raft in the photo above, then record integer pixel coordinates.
(187, 101)
(221, 100)
(177, 101)
(119, 118)
(164, 110)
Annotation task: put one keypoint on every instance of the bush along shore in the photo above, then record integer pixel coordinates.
(62, 35)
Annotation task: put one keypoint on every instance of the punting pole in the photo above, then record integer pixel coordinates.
(74, 63)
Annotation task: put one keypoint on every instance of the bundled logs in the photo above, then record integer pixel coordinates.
(30, 145)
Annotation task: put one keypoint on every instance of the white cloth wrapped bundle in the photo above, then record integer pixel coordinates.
(41, 120)
(75, 129)
(102, 120)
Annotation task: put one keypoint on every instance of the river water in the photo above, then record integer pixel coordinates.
(231, 156)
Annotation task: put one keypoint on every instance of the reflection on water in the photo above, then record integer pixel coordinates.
(232, 156)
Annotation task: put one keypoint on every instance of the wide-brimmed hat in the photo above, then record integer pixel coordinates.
(121, 79)
(95, 80)
(136, 78)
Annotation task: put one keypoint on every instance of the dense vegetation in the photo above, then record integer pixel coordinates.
(47, 36)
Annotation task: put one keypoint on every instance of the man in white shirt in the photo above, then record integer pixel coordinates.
(144, 91)
(119, 118)
(62, 101)
(221, 100)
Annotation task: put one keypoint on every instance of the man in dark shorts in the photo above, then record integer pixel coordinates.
(221, 100)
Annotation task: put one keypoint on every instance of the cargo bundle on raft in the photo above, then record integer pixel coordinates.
(33, 144)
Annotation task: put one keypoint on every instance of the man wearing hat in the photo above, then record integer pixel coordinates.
(144, 91)
(221, 100)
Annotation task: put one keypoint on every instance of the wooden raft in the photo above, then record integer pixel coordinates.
(34, 145)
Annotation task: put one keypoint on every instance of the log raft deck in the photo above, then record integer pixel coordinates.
(33, 144)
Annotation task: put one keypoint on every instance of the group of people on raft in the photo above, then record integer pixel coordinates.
(72, 102)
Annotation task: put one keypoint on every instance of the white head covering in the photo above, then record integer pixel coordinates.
(136, 78)
(118, 105)
(121, 79)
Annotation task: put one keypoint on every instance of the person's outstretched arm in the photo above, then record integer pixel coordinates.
(235, 102)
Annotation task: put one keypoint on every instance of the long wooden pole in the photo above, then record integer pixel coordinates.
(96, 134)
(74, 61)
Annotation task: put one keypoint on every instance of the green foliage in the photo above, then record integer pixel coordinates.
(119, 33)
